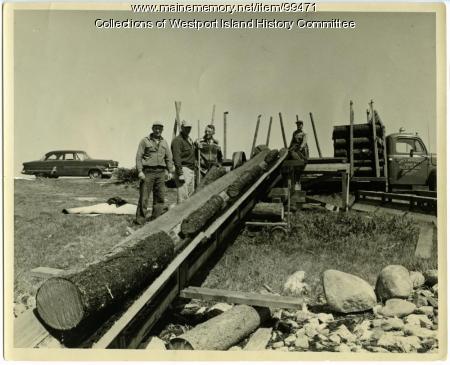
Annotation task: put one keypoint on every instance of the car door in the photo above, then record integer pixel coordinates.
(407, 169)
(53, 164)
(70, 164)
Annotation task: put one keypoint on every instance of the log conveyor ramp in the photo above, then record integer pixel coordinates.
(116, 302)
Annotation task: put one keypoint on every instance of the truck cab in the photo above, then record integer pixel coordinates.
(409, 162)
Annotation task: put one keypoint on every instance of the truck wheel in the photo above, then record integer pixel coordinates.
(432, 182)
(95, 174)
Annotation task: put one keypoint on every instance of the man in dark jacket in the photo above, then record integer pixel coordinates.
(154, 164)
(208, 150)
(299, 144)
(185, 163)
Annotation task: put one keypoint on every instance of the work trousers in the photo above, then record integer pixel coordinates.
(154, 182)
(186, 189)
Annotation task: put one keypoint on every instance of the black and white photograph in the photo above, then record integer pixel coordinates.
(224, 181)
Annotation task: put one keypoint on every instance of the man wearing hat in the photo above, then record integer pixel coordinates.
(153, 164)
(299, 145)
(209, 151)
(184, 160)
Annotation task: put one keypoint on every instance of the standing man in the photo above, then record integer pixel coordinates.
(299, 145)
(208, 150)
(184, 159)
(153, 163)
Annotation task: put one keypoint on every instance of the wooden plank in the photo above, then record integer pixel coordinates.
(253, 299)
(397, 196)
(375, 145)
(269, 224)
(315, 135)
(345, 190)
(28, 331)
(282, 131)
(364, 208)
(324, 160)
(259, 340)
(268, 132)
(330, 167)
(255, 136)
(424, 244)
(45, 272)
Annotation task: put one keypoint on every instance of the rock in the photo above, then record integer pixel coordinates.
(335, 339)
(433, 302)
(278, 344)
(427, 310)
(235, 348)
(295, 285)
(419, 300)
(31, 302)
(300, 332)
(322, 329)
(302, 342)
(392, 324)
(220, 308)
(387, 340)
(290, 340)
(365, 335)
(425, 293)
(377, 349)
(393, 282)
(19, 308)
(201, 311)
(406, 344)
(419, 320)
(311, 327)
(286, 325)
(277, 314)
(431, 277)
(292, 324)
(347, 293)
(376, 310)
(303, 316)
(284, 348)
(363, 326)
(319, 346)
(417, 279)
(419, 331)
(345, 334)
(397, 308)
(434, 289)
(343, 348)
(325, 317)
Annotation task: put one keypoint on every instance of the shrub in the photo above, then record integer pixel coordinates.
(127, 176)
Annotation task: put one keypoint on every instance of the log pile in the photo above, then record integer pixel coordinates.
(64, 303)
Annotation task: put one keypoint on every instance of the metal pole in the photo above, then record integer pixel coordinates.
(268, 132)
(315, 134)
(256, 135)
(375, 145)
(225, 134)
(282, 130)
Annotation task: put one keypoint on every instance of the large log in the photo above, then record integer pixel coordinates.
(268, 211)
(65, 302)
(212, 175)
(223, 331)
(359, 130)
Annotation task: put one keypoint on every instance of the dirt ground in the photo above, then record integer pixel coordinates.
(44, 236)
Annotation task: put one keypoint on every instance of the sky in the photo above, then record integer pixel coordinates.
(80, 87)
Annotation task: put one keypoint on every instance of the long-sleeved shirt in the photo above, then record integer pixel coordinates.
(210, 152)
(183, 153)
(300, 142)
(153, 152)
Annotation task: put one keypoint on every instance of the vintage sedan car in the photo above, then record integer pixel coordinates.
(69, 163)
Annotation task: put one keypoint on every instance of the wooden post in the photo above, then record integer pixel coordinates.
(282, 131)
(352, 157)
(345, 190)
(367, 115)
(375, 144)
(225, 134)
(385, 166)
(199, 175)
(268, 132)
(213, 114)
(315, 135)
(176, 125)
(255, 135)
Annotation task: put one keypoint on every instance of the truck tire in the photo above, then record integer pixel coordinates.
(432, 182)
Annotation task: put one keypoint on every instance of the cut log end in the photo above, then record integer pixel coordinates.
(59, 304)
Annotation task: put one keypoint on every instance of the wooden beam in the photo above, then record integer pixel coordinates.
(225, 114)
(332, 167)
(228, 296)
(268, 132)
(282, 131)
(315, 135)
(255, 136)
(46, 272)
(375, 144)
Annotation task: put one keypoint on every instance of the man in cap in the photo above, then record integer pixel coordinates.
(208, 150)
(184, 160)
(154, 165)
(299, 145)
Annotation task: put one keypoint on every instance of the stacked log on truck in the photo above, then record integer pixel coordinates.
(66, 303)
(364, 161)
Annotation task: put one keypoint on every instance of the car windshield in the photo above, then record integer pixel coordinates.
(83, 156)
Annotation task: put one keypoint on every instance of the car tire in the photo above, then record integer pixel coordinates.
(95, 174)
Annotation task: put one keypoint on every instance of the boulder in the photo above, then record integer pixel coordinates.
(417, 279)
(393, 282)
(346, 293)
(325, 317)
(419, 320)
(397, 308)
(392, 324)
(419, 331)
(277, 345)
(435, 289)
(427, 310)
(431, 277)
(290, 340)
(405, 344)
(335, 339)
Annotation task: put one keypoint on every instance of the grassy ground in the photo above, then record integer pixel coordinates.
(360, 244)
(46, 237)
